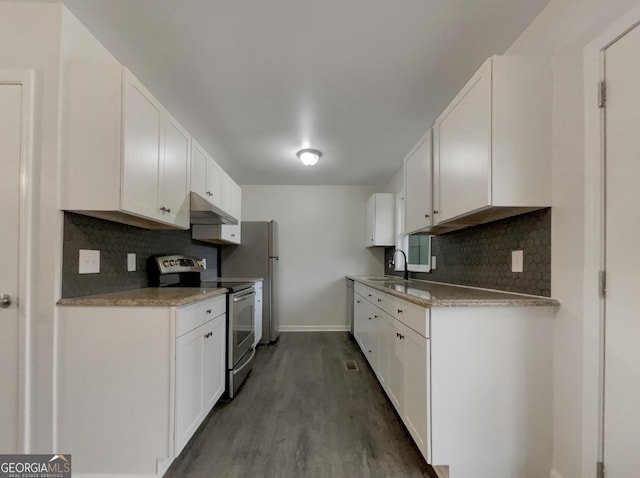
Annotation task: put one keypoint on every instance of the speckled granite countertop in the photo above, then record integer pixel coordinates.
(237, 279)
(436, 294)
(147, 297)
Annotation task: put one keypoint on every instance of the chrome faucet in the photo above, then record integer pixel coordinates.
(393, 263)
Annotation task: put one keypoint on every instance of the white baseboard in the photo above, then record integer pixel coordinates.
(555, 474)
(314, 328)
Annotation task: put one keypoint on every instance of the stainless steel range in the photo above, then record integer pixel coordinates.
(184, 271)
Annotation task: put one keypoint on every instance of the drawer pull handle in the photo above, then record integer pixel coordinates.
(208, 311)
(379, 300)
(370, 295)
(369, 318)
(399, 311)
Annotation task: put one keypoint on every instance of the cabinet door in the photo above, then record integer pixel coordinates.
(370, 239)
(415, 417)
(227, 193)
(381, 347)
(142, 125)
(236, 201)
(199, 160)
(174, 180)
(214, 183)
(396, 380)
(360, 319)
(214, 361)
(462, 176)
(189, 393)
(418, 187)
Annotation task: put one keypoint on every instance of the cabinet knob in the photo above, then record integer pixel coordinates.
(369, 318)
(399, 311)
(375, 316)
(427, 216)
(233, 235)
(165, 209)
(435, 211)
(209, 193)
(379, 300)
(370, 295)
(397, 335)
(208, 311)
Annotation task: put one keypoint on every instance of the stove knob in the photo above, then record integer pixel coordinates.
(165, 263)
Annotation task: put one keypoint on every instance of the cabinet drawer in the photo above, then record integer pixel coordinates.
(412, 315)
(192, 316)
(374, 296)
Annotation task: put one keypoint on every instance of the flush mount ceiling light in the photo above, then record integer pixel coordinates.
(309, 157)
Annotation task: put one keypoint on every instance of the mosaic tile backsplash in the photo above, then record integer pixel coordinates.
(480, 256)
(114, 242)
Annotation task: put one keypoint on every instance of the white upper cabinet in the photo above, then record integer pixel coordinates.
(380, 224)
(214, 185)
(123, 157)
(417, 185)
(492, 144)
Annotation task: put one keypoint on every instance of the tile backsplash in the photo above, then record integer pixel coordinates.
(114, 241)
(480, 256)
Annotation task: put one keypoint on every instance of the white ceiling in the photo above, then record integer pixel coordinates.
(256, 80)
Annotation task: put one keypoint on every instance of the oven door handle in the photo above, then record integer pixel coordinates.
(247, 361)
(243, 296)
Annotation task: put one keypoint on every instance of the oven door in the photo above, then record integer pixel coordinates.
(241, 323)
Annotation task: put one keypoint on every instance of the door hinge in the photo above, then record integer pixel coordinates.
(600, 469)
(602, 283)
(602, 94)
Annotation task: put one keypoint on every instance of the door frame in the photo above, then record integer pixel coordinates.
(26, 79)
(594, 245)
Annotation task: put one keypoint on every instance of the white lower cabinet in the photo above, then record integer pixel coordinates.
(135, 383)
(200, 365)
(398, 355)
(471, 384)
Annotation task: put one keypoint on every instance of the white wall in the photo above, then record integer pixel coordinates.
(30, 39)
(322, 236)
(561, 32)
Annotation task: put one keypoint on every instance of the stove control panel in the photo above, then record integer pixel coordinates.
(179, 263)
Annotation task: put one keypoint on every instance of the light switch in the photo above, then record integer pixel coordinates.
(433, 262)
(88, 261)
(517, 261)
(131, 261)
(204, 263)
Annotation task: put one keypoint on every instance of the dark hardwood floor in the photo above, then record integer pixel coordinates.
(302, 414)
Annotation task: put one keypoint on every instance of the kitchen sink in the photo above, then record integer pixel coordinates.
(383, 279)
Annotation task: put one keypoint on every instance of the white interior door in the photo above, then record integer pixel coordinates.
(10, 151)
(622, 303)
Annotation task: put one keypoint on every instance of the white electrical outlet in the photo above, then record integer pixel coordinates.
(204, 263)
(433, 262)
(517, 261)
(131, 261)
(88, 261)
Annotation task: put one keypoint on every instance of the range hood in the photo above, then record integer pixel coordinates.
(203, 212)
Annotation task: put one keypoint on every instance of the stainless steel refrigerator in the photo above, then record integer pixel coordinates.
(257, 256)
